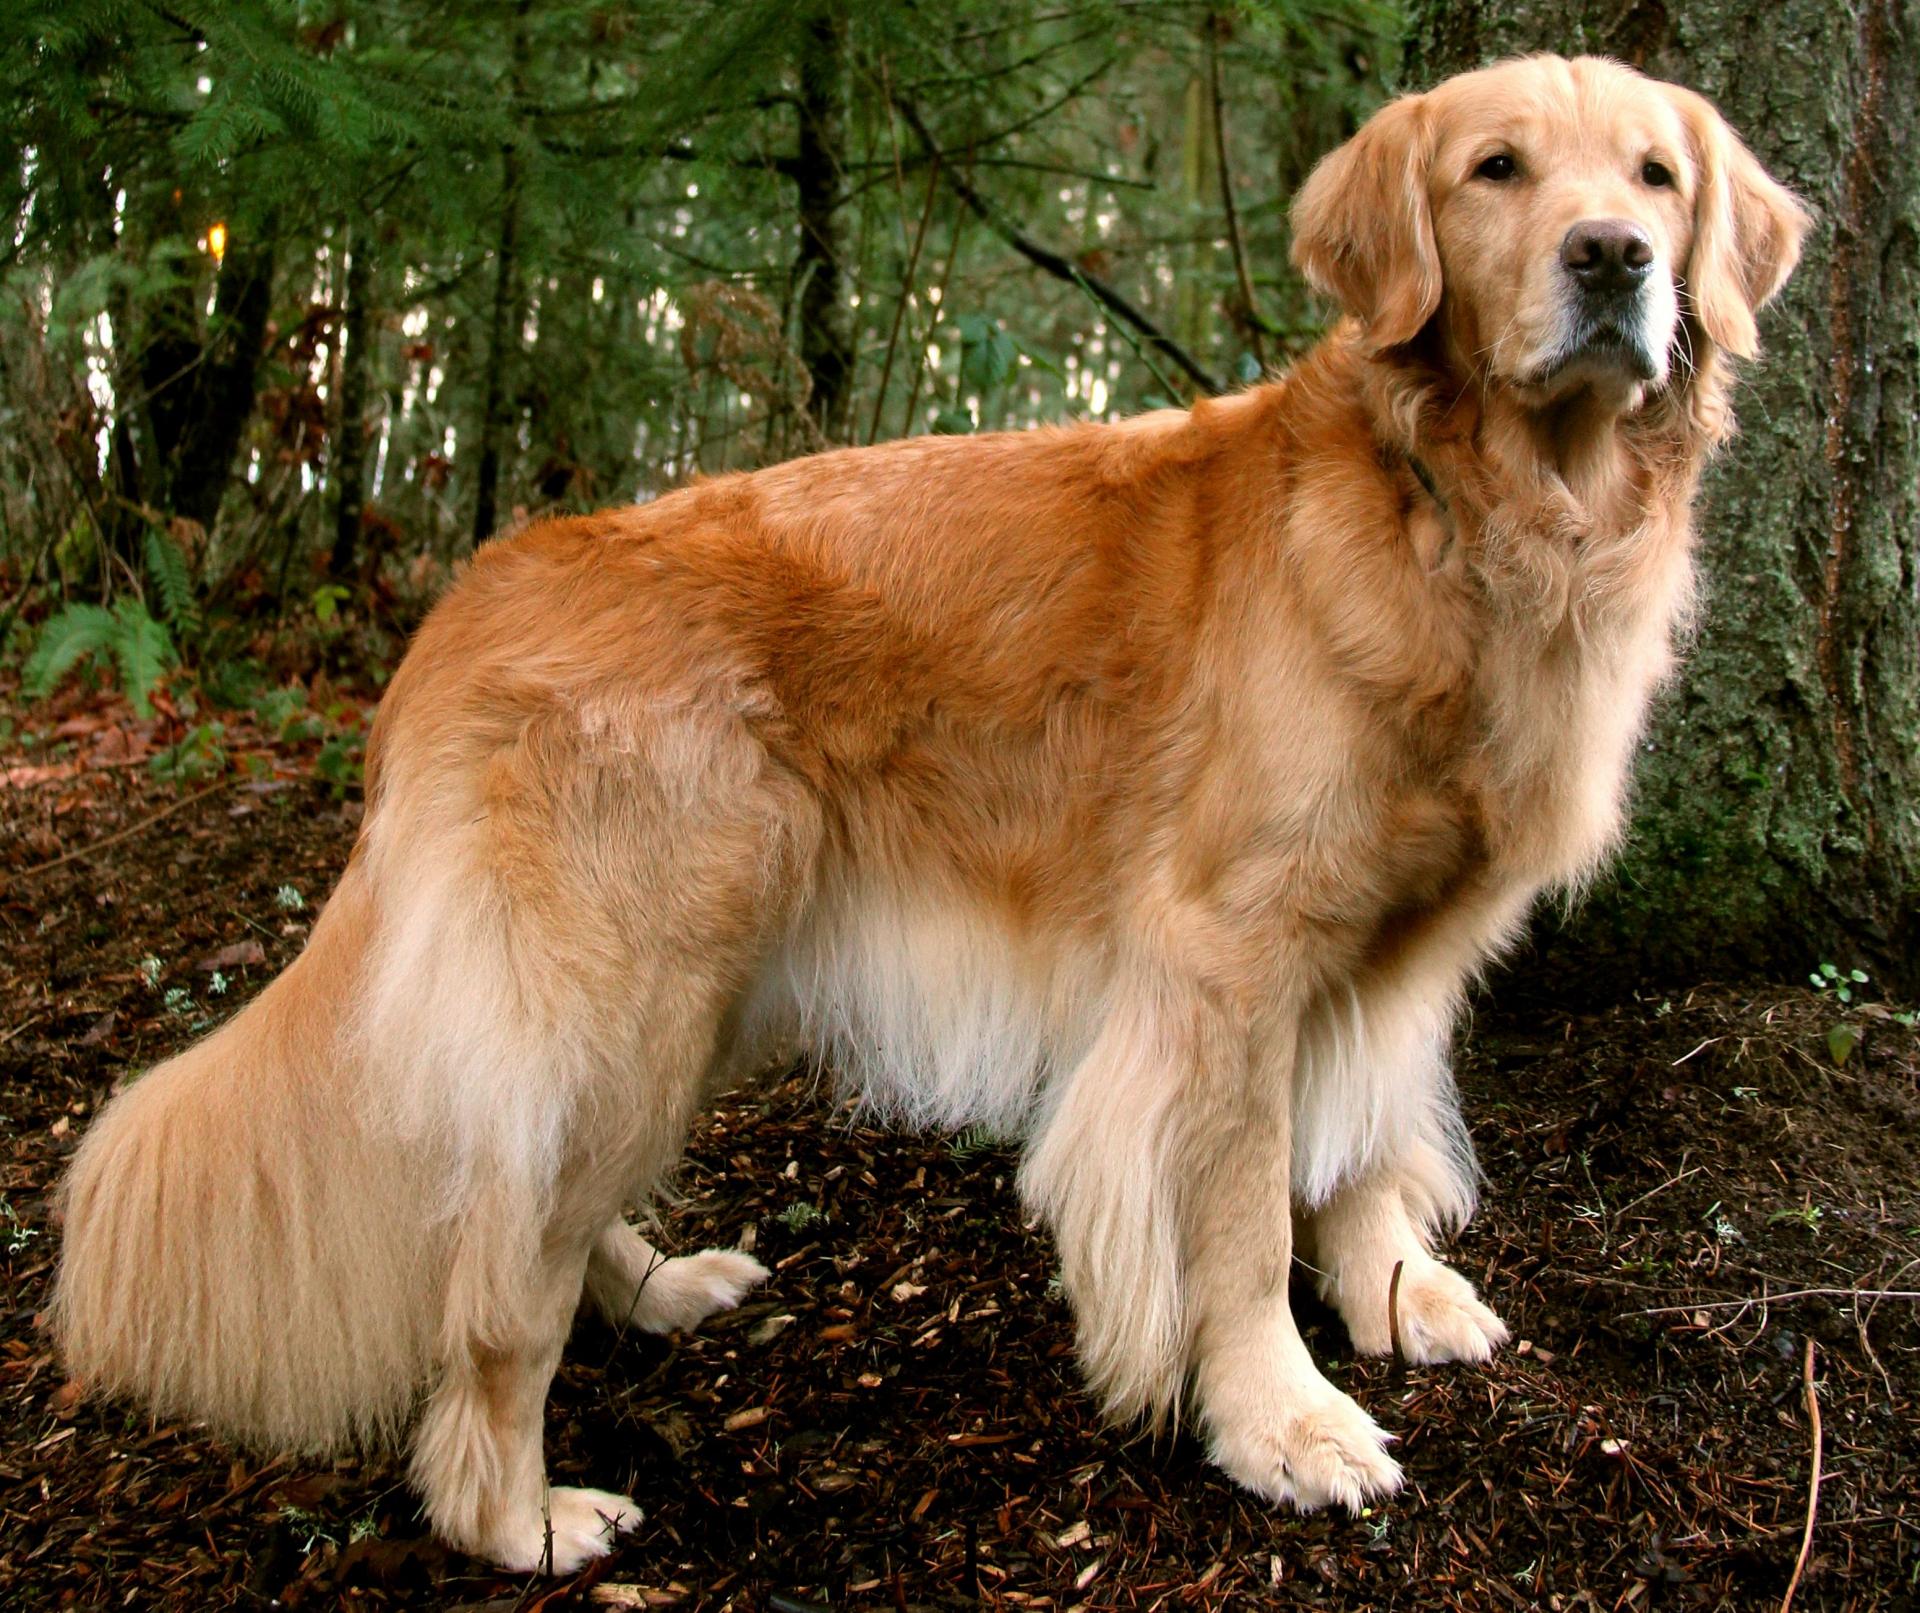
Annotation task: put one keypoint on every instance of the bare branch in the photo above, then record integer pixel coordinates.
(1109, 297)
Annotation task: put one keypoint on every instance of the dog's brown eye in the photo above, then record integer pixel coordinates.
(1498, 167)
(1656, 174)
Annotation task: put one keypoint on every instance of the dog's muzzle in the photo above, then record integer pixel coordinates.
(1607, 264)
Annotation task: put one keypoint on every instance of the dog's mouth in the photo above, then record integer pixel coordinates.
(1604, 343)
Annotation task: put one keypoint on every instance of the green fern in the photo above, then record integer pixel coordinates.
(67, 639)
(138, 645)
(167, 566)
(144, 649)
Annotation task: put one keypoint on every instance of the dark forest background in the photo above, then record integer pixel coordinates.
(300, 301)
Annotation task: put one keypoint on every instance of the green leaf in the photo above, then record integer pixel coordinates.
(199, 755)
(67, 638)
(1841, 1041)
(327, 599)
(985, 364)
(952, 423)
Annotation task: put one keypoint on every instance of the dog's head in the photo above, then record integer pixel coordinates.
(1566, 224)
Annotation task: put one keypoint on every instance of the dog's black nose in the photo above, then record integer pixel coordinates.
(1607, 254)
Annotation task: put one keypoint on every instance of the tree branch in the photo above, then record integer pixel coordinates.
(1215, 25)
(1109, 297)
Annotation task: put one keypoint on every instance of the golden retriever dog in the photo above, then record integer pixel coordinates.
(1147, 792)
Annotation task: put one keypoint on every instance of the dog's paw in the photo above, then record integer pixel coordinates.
(578, 1526)
(1440, 1317)
(683, 1292)
(1324, 1451)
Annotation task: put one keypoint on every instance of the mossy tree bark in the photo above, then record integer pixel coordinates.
(1778, 802)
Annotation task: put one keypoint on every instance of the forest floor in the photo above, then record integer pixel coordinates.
(894, 1421)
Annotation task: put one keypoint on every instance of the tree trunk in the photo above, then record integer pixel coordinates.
(201, 390)
(503, 327)
(503, 347)
(1778, 818)
(825, 347)
(350, 434)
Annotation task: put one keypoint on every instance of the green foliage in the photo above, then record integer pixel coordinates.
(972, 1143)
(1830, 979)
(199, 754)
(138, 646)
(342, 762)
(798, 1217)
(167, 570)
(988, 355)
(283, 713)
(326, 601)
(642, 160)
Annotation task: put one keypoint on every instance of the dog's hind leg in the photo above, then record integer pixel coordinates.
(478, 1457)
(631, 1284)
(1362, 1233)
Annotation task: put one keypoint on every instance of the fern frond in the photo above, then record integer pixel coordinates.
(66, 639)
(167, 567)
(144, 649)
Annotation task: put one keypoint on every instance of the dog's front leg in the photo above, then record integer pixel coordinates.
(1161, 1165)
(1376, 1268)
(1272, 1421)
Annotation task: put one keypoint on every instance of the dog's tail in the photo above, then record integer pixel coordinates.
(241, 1245)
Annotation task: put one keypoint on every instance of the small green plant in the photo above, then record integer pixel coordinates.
(1808, 1215)
(1724, 1231)
(198, 755)
(315, 1529)
(15, 1234)
(127, 635)
(289, 900)
(284, 713)
(1829, 978)
(326, 601)
(342, 761)
(971, 1143)
(798, 1217)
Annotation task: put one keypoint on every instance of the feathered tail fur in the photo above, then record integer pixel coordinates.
(241, 1245)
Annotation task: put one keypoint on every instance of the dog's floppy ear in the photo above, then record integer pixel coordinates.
(1363, 228)
(1747, 230)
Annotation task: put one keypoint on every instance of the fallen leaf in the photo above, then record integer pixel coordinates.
(241, 955)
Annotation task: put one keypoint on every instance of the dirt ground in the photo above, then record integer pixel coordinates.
(895, 1422)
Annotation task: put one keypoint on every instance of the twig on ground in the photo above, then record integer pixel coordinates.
(1671, 1181)
(1393, 1309)
(1779, 1299)
(1813, 1480)
(124, 834)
